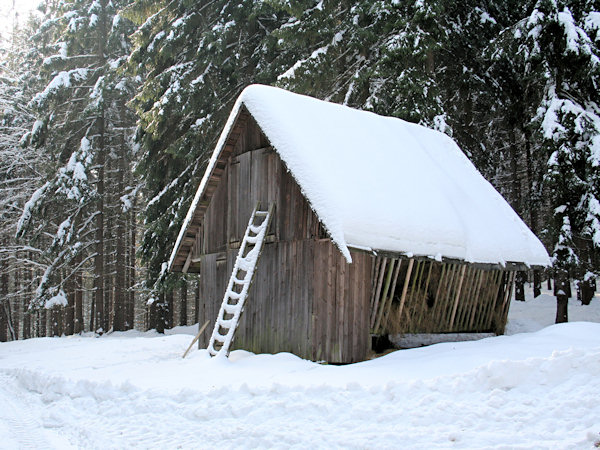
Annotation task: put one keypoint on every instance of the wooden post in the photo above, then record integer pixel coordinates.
(405, 287)
(480, 277)
(384, 296)
(377, 292)
(457, 298)
(391, 296)
(196, 338)
(375, 278)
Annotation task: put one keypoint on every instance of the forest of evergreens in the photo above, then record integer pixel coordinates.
(110, 109)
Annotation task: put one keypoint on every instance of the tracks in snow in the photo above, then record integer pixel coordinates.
(19, 417)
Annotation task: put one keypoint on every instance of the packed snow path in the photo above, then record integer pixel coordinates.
(18, 427)
(531, 390)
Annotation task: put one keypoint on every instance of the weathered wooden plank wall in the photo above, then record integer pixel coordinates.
(306, 298)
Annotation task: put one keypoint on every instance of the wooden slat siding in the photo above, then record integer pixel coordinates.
(447, 305)
(466, 301)
(420, 318)
(499, 304)
(482, 300)
(491, 310)
(487, 310)
(381, 276)
(441, 283)
(443, 289)
(390, 299)
(473, 295)
(419, 294)
(476, 296)
(405, 288)
(456, 299)
(481, 294)
(232, 199)
(409, 303)
(330, 302)
(508, 296)
(374, 279)
(389, 273)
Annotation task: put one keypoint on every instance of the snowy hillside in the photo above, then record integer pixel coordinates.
(529, 390)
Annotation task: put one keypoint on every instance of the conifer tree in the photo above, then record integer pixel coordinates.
(195, 58)
(86, 128)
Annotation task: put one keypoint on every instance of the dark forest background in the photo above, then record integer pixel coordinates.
(110, 109)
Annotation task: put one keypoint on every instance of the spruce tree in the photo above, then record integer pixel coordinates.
(86, 130)
(195, 58)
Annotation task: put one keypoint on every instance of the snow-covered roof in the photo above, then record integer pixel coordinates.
(381, 183)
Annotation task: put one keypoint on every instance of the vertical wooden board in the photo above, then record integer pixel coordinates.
(482, 295)
(484, 301)
(465, 300)
(324, 271)
(316, 299)
(232, 202)
(284, 203)
(469, 321)
(340, 310)
(310, 295)
(244, 207)
(363, 337)
(350, 283)
(257, 181)
(489, 313)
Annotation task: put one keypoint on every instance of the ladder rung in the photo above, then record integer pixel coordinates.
(239, 282)
(230, 309)
(234, 295)
(255, 229)
(225, 323)
(220, 337)
(261, 213)
(243, 264)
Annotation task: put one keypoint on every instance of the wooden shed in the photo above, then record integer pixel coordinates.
(380, 226)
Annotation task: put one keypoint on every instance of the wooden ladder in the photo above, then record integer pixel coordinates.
(240, 281)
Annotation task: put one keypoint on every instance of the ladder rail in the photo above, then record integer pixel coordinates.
(246, 261)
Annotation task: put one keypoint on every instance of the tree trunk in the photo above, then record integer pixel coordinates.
(537, 283)
(56, 321)
(3, 320)
(131, 283)
(69, 313)
(101, 315)
(120, 300)
(42, 323)
(197, 302)
(562, 300)
(520, 279)
(587, 290)
(27, 277)
(78, 326)
(99, 258)
(183, 303)
(169, 310)
(4, 303)
(158, 314)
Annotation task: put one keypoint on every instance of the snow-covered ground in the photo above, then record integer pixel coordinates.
(538, 387)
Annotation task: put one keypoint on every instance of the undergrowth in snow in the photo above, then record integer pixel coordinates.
(537, 388)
